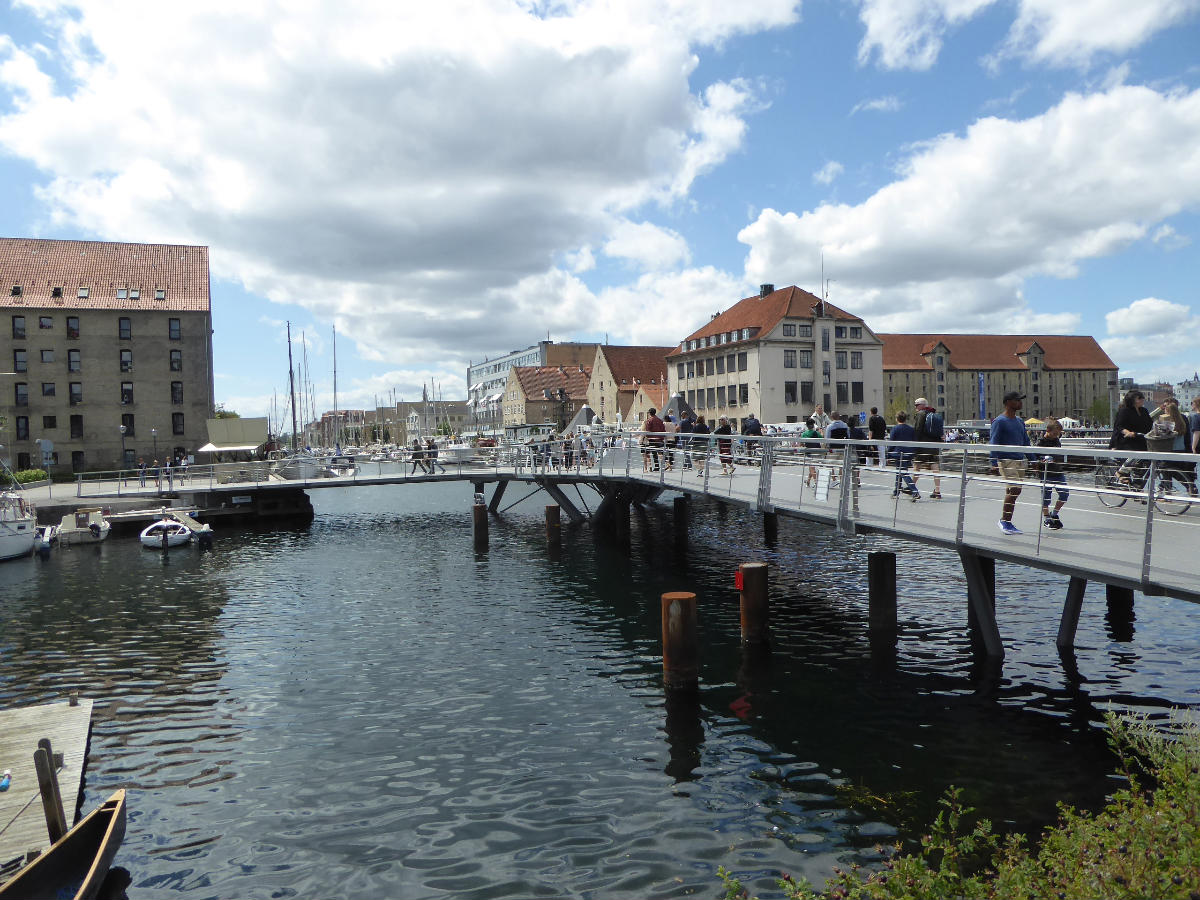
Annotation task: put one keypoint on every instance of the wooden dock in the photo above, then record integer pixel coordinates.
(22, 818)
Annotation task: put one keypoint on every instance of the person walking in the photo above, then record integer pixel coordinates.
(1053, 476)
(903, 432)
(431, 456)
(683, 438)
(417, 458)
(820, 418)
(700, 432)
(725, 445)
(1008, 430)
(142, 470)
(930, 428)
(877, 428)
(654, 429)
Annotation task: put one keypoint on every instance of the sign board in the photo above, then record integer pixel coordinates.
(241, 498)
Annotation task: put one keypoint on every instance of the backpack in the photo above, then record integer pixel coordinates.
(931, 427)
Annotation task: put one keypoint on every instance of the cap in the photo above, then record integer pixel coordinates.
(921, 401)
(1013, 395)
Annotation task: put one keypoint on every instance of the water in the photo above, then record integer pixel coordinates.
(367, 708)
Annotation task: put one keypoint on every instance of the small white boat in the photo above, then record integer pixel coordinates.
(18, 525)
(341, 466)
(46, 536)
(165, 533)
(84, 526)
(298, 467)
(458, 453)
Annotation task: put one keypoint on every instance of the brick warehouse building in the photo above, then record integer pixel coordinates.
(101, 336)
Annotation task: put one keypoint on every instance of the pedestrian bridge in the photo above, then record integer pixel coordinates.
(1115, 535)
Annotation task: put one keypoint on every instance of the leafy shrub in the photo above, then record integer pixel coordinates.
(1145, 843)
(25, 476)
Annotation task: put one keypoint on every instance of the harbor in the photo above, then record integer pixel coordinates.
(517, 692)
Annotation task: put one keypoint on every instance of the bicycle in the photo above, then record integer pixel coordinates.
(1117, 486)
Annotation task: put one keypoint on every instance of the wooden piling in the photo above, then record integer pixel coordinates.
(881, 580)
(755, 607)
(680, 641)
(43, 763)
(553, 525)
(480, 513)
(770, 527)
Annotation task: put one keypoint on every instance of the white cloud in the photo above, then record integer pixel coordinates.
(878, 104)
(405, 170)
(828, 172)
(1152, 337)
(649, 245)
(1148, 316)
(908, 34)
(1169, 239)
(948, 245)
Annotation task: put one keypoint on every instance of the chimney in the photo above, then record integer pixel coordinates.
(764, 289)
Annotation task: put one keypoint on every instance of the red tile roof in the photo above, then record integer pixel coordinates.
(37, 266)
(534, 379)
(656, 394)
(763, 313)
(644, 364)
(993, 351)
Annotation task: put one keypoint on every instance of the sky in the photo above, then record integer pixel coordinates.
(444, 182)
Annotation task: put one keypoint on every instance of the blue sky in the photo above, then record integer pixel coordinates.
(449, 181)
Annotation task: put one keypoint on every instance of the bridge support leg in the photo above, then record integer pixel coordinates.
(498, 493)
(1120, 612)
(1070, 614)
(881, 580)
(981, 600)
(754, 605)
(770, 528)
(563, 501)
(1119, 597)
(553, 526)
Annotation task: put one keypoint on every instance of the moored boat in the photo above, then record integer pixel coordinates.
(84, 526)
(165, 533)
(75, 865)
(18, 525)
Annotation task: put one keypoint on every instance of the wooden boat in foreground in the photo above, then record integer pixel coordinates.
(75, 865)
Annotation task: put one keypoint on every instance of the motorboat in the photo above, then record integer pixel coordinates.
(297, 466)
(458, 453)
(341, 466)
(84, 526)
(77, 863)
(47, 536)
(165, 533)
(18, 525)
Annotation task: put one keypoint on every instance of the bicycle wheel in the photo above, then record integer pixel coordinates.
(1167, 499)
(1107, 487)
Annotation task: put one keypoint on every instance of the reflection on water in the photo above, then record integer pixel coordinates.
(366, 707)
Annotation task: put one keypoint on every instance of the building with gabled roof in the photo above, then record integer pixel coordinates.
(618, 372)
(967, 375)
(778, 354)
(111, 349)
(545, 395)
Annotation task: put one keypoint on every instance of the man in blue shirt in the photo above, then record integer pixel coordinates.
(1008, 430)
(902, 431)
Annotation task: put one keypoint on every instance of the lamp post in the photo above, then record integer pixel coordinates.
(154, 434)
(123, 448)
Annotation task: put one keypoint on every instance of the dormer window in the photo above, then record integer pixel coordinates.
(82, 293)
(122, 293)
(160, 295)
(134, 294)
(56, 292)
(16, 290)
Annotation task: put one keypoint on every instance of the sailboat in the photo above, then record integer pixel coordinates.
(296, 466)
(18, 518)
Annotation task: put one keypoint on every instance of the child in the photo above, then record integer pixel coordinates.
(1053, 477)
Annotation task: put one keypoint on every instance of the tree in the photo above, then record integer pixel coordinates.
(1100, 412)
(222, 413)
(897, 404)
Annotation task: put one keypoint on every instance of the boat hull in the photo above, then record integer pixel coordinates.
(176, 535)
(18, 526)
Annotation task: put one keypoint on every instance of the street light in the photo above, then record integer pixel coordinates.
(122, 446)
(154, 434)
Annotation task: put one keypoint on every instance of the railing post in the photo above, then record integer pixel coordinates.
(843, 516)
(766, 459)
(1146, 548)
(962, 497)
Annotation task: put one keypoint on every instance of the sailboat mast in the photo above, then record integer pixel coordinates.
(292, 385)
(337, 428)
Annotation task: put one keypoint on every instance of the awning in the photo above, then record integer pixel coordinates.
(223, 448)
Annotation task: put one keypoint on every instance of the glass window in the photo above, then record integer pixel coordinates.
(804, 330)
(122, 293)
(45, 322)
(160, 294)
(126, 393)
(806, 359)
(856, 359)
(789, 392)
(855, 331)
(47, 356)
(691, 369)
(825, 372)
(941, 376)
(744, 393)
(135, 294)
(839, 331)
(20, 361)
(711, 397)
(176, 423)
(18, 327)
(56, 292)
(721, 396)
(72, 326)
(73, 363)
(82, 292)
(127, 421)
(691, 398)
(47, 388)
(709, 366)
(743, 361)
(941, 360)
(49, 422)
(789, 359)
(824, 338)
(840, 357)
(679, 370)
(76, 392)
(856, 392)
(16, 291)
(126, 360)
(720, 365)
(124, 328)
(806, 392)
(843, 393)
(789, 330)
(745, 334)
(76, 426)
(23, 435)
(176, 391)
(700, 399)
(77, 461)
(173, 331)
(731, 362)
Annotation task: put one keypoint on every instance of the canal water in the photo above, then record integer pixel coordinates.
(365, 707)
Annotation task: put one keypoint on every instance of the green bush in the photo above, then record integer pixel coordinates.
(1145, 843)
(25, 476)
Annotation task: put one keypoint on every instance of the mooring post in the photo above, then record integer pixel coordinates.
(43, 763)
(770, 527)
(881, 581)
(681, 520)
(553, 524)
(755, 607)
(480, 512)
(680, 641)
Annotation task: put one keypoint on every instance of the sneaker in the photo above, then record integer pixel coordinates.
(1056, 520)
(916, 495)
(936, 495)
(1008, 527)
(1048, 522)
